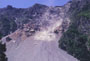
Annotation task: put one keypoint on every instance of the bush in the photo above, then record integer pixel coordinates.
(2, 50)
(85, 14)
(74, 42)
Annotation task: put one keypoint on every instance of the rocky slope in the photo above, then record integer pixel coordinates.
(32, 34)
(38, 30)
(12, 18)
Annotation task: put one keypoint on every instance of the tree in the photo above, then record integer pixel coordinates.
(2, 52)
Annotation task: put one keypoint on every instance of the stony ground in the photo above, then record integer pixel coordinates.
(43, 44)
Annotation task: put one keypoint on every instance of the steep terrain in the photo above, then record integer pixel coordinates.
(12, 18)
(41, 33)
(37, 39)
(76, 40)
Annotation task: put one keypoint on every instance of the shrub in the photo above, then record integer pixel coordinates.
(2, 52)
(85, 14)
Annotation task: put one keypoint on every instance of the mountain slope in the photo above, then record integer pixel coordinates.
(37, 40)
(76, 39)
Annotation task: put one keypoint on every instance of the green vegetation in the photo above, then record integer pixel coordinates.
(88, 43)
(2, 52)
(74, 42)
(85, 14)
(0, 35)
(76, 39)
(7, 25)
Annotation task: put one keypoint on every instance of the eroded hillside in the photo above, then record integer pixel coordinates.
(37, 40)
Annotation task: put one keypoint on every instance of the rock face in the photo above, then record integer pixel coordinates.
(37, 39)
